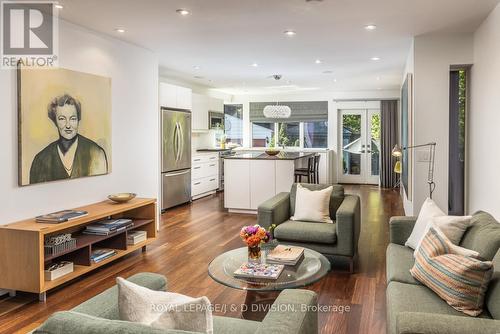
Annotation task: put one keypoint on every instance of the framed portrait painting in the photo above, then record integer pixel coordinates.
(64, 125)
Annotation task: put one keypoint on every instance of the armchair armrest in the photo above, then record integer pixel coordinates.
(430, 323)
(79, 323)
(293, 312)
(400, 229)
(275, 210)
(348, 221)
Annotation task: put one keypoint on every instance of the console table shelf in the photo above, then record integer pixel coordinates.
(22, 258)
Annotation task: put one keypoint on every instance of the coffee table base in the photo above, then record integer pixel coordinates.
(257, 304)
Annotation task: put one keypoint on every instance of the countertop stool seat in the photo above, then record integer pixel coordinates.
(311, 172)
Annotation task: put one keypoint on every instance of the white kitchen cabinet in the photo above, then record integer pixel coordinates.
(216, 104)
(237, 193)
(200, 112)
(285, 175)
(204, 174)
(262, 182)
(172, 96)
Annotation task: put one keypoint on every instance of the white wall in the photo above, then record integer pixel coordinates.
(333, 99)
(433, 56)
(484, 118)
(135, 128)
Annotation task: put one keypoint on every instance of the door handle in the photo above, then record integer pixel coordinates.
(176, 145)
(362, 151)
(176, 174)
(181, 137)
(196, 167)
(197, 183)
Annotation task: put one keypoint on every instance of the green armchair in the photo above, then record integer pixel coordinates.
(338, 240)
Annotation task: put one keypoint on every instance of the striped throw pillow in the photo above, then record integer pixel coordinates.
(459, 280)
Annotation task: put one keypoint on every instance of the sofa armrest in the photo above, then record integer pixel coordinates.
(78, 323)
(400, 229)
(348, 221)
(275, 210)
(293, 312)
(105, 304)
(429, 323)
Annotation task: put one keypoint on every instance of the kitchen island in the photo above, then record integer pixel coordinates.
(253, 177)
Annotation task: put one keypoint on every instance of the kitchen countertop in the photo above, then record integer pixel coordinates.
(264, 156)
(213, 149)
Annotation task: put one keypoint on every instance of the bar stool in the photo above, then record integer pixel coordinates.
(311, 172)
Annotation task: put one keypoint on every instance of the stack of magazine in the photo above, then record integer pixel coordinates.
(287, 255)
(259, 270)
(99, 255)
(108, 226)
(60, 216)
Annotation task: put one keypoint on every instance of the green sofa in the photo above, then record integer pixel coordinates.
(100, 315)
(414, 308)
(338, 240)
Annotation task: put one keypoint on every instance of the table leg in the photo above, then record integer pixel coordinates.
(257, 304)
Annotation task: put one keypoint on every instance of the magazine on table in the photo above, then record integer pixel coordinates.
(60, 216)
(259, 270)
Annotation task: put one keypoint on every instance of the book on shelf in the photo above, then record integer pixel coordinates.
(108, 226)
(99, 255)
(259, 270)
(60, 216)
(135, 237)
(287, 255)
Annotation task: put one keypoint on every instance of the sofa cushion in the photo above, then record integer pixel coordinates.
(402, 297)
(306, 232)
(399, 262)
(483, 235)
(226, 325)
(336, 198)
(105, 304)
(492, 298)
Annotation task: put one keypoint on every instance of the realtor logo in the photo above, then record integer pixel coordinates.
(29, 34)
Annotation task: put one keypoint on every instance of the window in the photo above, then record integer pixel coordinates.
(289, 134)
(262, 134)
(233, 123)
(316, 134)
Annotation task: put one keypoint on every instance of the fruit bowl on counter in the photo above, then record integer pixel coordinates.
(272, 151)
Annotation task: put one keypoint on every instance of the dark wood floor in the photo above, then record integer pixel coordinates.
(192, 235)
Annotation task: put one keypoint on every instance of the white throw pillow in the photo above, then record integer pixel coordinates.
(453, 227)
(312, 205)
(429, 210)
(164, 310)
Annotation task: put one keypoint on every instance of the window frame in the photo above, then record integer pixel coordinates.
(276, 136)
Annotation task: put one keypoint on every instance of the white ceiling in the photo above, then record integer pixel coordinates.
(223, 37)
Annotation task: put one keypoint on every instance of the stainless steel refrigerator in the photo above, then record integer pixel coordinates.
(176, 157)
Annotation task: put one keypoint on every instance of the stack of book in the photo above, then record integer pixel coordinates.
(259, 270)
(99, 255)
(108, 226)
(60, 216)
(287, 255)
(135, 237)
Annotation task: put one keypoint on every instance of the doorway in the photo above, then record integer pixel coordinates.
(359, 131)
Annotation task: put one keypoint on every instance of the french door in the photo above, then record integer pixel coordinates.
(359, 132)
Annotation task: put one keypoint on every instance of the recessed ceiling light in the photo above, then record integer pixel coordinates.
(375, 58)
(318, 61)
(370, 27)
(334, 80)
(378, 78)
(254, 65)
(58, 6)
(290, 33)
(183, 11)
(120, 30)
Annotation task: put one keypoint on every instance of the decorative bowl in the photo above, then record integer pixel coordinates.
(121, 197)
(272, 152)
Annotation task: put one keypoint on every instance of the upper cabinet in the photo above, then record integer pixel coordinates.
(216, 105)
(172, 96)
(200, 112)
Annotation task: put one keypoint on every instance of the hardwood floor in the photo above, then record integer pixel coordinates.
(192, 235)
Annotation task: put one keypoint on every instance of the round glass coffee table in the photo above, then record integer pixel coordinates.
(261, 292)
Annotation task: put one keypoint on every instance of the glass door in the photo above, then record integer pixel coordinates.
(360, 146)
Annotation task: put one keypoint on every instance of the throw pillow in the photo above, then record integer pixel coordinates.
(453, 228)
(164, 310)
(429, 210)
(459, 280)
(312, 206)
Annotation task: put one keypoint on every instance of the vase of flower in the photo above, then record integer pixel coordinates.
(254, 236)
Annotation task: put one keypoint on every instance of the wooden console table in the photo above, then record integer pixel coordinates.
(22, 258)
